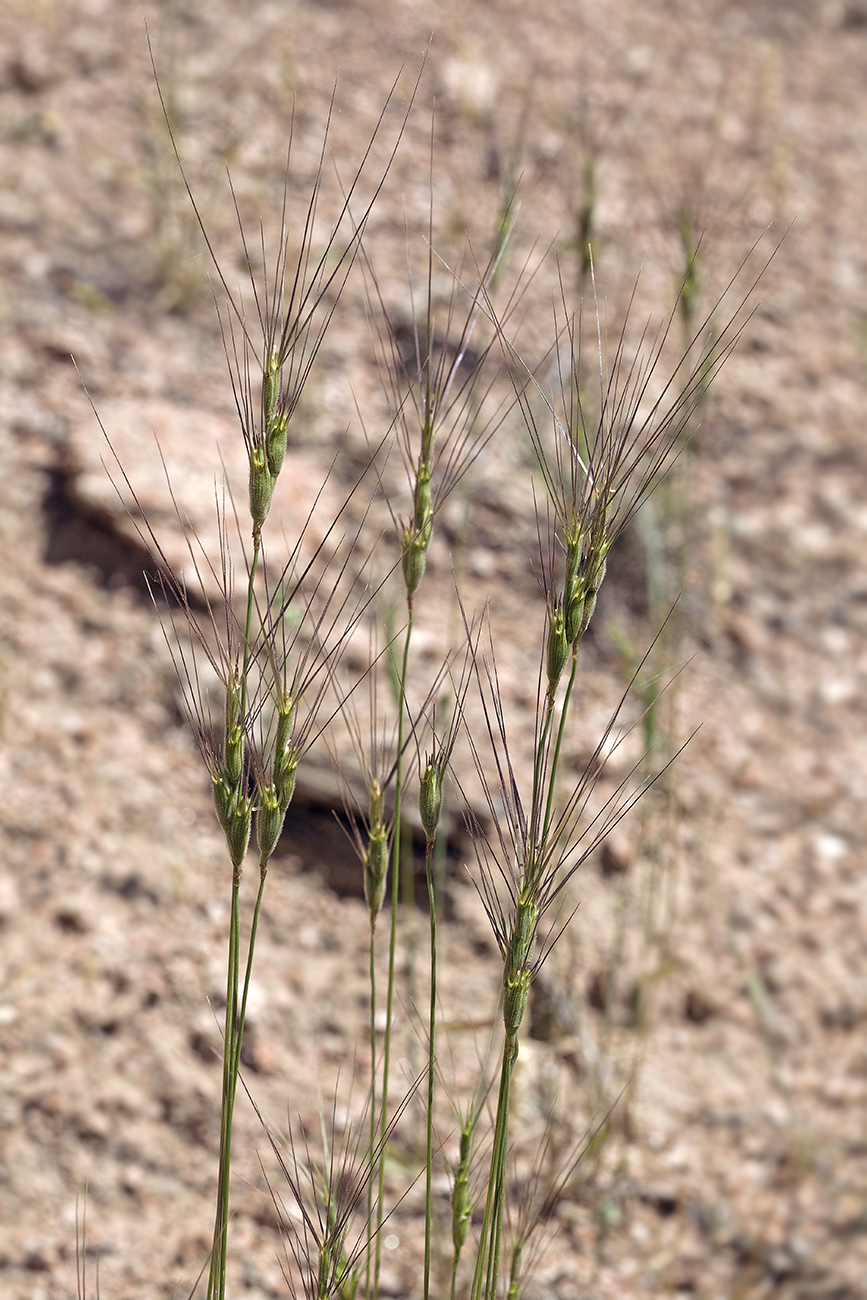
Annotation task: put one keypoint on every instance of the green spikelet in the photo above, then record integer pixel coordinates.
(233, 702)
(238, 832)
(234, 746)
(261, 486)
(286, 755)
(274, 424)
(375, 863)
(376, 855)
(413, 562)
(573, 608)
(269, 820)
(275, 443)
(234, 768)
(416, 539)
(375, 793)
(589, 604)
(271, 388)
(285, 719)
(285, 774)
(518, 971)
(523, 934)
(556, 650)
(430, 799)
(224, 799)
(423, 508)
(516, 992)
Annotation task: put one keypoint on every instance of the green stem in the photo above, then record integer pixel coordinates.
(368, 1254)
(555, 762)
(510, 1054)
(487, 1257)
(217, 1274)
(234, 1025)
(431, 1048)
(248, 624)
(239, 1033)
(392, 949)
(539, 772)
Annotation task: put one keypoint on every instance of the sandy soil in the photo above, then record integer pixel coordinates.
(713, 981)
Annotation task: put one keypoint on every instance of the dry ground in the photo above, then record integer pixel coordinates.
(716, 964)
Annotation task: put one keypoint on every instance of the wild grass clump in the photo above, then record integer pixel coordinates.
(258, 634)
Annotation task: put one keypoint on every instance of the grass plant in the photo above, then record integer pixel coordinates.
(260, 665)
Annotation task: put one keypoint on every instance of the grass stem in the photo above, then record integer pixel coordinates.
(431, 1059)
(392, 951)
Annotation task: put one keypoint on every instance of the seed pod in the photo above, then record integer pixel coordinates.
(269, 820)
(557, 649)
(430, 799)
(261, 486)
(375, 863)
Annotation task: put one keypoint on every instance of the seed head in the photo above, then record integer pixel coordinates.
(430, 798)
